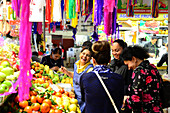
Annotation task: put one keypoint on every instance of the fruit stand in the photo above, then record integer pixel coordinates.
(51, 92)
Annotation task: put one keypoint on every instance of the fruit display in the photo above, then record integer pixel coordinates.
(45, 72)
(45, 95)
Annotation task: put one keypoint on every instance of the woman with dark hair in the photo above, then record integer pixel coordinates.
(53, 60)
(145, 89)
(117, 65)
(81, 67)
(93, 93)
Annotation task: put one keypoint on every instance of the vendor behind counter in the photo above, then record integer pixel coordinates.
(152, 47)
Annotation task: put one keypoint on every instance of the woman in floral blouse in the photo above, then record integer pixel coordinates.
(145, 89)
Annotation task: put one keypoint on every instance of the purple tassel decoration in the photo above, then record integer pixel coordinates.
(95, 35)
(155, 8)
(74, 33)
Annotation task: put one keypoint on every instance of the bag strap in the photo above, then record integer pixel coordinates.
(104, 86)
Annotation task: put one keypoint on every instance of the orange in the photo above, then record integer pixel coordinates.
(58, 94)
(23, 104)
(35, 106)
(32, 67)
(33, 93)
(48, 101)
(41, 71)
(44, 108)
(61, 90)
(52, 111)
(40, 80)
(28, 109)
(37, 68)
(58, 111)
(39, 98)
(33, 99)
(66, 93)
(38, 75)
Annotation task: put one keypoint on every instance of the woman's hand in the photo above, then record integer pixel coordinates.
(64, 70)
(55, 68)
(125, 97)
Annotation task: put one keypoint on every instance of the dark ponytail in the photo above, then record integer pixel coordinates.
(136, 51)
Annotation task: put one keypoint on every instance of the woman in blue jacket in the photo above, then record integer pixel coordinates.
(93, 93)
(81, 67)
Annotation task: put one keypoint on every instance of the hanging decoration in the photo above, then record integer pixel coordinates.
(35, 27)
(110, 12)
(48, 13)
(130, 8)
(74, 33)
(16, 4)
(98, 12)
(39, 28)
(154, 8)
(25, 77)
(90, 9)
(95, 35)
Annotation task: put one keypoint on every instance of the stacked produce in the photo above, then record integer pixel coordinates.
(7, 76)
(45, 95)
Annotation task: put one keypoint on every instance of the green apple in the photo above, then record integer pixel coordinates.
(8, 83)
(2, 90)
(11, 77)
(73, 101)
(2, 76)
(5, 64)
(73, 107)
(4, 87)
(8, 71)
(1, 67)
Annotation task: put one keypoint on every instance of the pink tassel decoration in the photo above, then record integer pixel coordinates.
(39, 27)
(25, 77)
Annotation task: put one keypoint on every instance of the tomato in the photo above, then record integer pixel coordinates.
(28, 109)
(58, 94)
(35, 106)
(33, 99)
(58, 111)
(16, 98)
(44, 108)
(61, 90)
(39, 98)
(48, 101)
(23, 104)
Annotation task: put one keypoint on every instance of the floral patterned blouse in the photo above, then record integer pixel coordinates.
(145, 90)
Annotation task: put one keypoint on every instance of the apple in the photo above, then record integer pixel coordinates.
(11, 77)
(8, 83)
(5, 64)
(73, 101)
(8, 71)
(2, 76)
(4, 87)
(73, 107)
(1, 67)
(2, 90)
